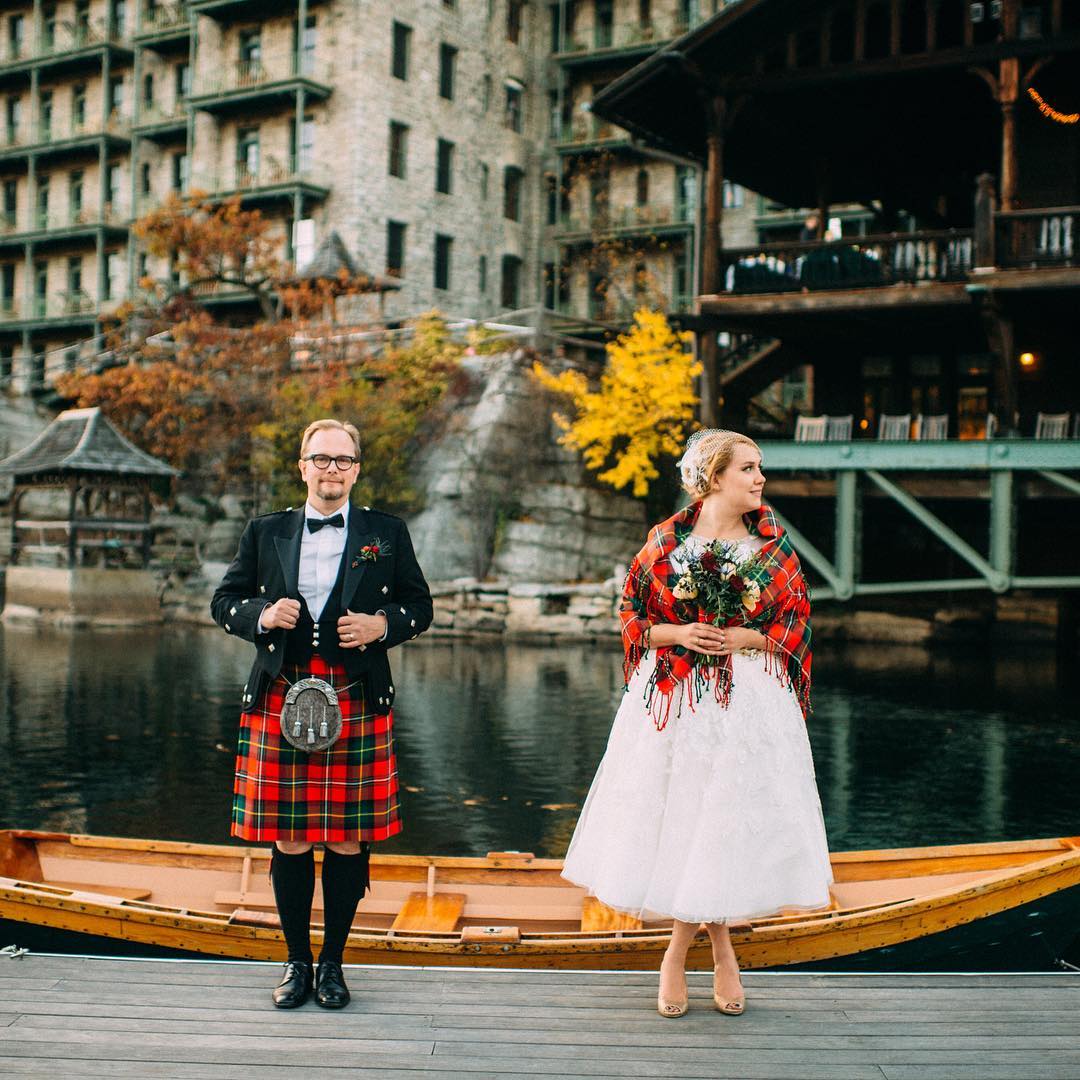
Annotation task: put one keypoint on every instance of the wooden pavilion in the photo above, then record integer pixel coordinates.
(58, 558)
(958, 125)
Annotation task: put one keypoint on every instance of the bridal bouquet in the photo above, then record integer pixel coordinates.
(724, 585)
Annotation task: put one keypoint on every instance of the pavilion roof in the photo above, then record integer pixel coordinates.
(82, 441)
(332, 261)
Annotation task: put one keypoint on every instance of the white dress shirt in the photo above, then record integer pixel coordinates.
(320, 558)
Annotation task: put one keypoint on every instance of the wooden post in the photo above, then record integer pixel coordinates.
(1000, 335)
(1008, 88)
(73, 489)
(931, 27)
(711, 250)
(894, 27)
(822, 197)
(860, 30)
(985, 238)
(16, 499)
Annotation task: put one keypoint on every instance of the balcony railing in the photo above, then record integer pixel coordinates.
(268, 174)
(29, 136)
(859, 262)
(73, 36)
(1032, 239)
(57, 306)
(600, 39)
(163, 17)
(249, 75)
(624, 218)
(154, 115)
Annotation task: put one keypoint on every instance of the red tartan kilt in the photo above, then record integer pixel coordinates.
(346, 792)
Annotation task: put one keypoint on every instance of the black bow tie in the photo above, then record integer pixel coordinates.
(315, 524)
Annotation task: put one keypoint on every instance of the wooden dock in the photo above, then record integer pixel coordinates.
(90, 1017)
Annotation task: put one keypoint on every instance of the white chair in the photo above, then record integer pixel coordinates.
(894, 428)
(1052, 425)
(810, 429)
(838, 428)
(991, 425)
(931, 427)
(1076, 426)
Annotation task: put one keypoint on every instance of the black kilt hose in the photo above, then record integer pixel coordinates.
(350, 790)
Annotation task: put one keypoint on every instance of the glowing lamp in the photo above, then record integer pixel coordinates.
(864, 424)
(1027, 359)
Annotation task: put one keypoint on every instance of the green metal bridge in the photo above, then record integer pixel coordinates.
(857, 467)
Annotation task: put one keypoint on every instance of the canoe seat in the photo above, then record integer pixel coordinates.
(597, 916)
(124, 892)
(431, 913)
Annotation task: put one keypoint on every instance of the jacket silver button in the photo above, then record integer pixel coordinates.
(228, 628)
(270, 647)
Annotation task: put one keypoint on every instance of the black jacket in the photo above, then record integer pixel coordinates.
(267, 566)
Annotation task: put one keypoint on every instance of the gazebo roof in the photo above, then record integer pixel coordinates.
(332, 261)
(82, 441)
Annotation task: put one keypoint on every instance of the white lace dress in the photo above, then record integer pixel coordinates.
(713, 819)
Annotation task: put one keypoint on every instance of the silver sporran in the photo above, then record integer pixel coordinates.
(311, 716)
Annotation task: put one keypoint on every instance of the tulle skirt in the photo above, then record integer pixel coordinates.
(715, 818)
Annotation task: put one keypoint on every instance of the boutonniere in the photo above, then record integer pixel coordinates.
(371, 552)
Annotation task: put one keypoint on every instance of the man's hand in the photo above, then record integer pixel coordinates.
(355, 630)
(283, 614)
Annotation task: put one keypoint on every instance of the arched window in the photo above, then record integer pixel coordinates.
(913, 27)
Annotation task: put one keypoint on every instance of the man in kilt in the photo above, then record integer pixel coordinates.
(323, 592)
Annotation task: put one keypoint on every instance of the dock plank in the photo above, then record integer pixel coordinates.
(96, 1017)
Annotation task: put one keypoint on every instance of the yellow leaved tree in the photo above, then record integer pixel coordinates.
(641, 411)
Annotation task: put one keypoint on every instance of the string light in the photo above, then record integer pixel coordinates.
(1049, 111)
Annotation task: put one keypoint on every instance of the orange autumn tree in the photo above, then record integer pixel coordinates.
(183, 385)
(641, 411)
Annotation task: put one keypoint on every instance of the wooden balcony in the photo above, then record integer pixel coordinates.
(69, 48)
(622, 43)
(250, 82)
(165, 28)
(639, 221)
(270, 183)
(74, 140)
(162, 125)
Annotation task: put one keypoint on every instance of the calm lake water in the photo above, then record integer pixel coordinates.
(133, 734)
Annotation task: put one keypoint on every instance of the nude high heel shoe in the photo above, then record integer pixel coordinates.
(728, 1006)
(671, 1010)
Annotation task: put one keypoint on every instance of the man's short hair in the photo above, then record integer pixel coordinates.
(324, 425)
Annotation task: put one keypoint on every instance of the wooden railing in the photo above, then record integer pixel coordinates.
(1046, 237)
(858, 262)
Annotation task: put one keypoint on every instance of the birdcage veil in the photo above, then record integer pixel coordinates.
(697, 456)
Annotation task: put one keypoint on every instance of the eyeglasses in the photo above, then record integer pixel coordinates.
(322, 461)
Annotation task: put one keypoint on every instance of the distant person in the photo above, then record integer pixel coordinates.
(809, 232)
(324, 592)
(705, 807)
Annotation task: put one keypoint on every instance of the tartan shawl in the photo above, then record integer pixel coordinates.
(782, 615)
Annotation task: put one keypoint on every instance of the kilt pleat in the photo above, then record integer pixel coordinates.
(346, 792)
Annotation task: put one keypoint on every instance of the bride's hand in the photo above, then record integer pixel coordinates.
(703, 638)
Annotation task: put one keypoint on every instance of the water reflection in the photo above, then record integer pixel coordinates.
(133, 733)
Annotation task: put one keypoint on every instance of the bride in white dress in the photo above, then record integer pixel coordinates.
(704, 808)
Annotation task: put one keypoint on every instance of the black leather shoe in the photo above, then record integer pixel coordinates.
(330, 989)
(295, 985)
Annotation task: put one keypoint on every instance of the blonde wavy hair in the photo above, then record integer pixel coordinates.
(707, 453)
(329, 425)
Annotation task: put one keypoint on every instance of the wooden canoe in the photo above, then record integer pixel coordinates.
(998, 906)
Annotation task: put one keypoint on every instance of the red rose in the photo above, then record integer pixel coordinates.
(376, 549)
(737, 583)
(709, 563)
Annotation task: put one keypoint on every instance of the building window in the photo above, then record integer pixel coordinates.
(447, 64)
(733, 195)
(444, 166)
(113, 282)
(511, 282)
(395, 248)
(515, 96)
(485, 93)
(82, 21)
(144, 266)
(148, 90)
(48, 27)
(43, 202)
(685, 193)
(6, 351)
(118, 17)
(443, 249)
(74, 279)
(11, 202)
(247, 156)
(78, 106)
(182, 85)
(41, 288)
(75, 195)
(513, 20)
(180, 172)
(399, 146)
(7, 287)
(399, 57)
(302, 150)
(485, 179)
(250, 41)
(16, 36)
(604, 26)
(13, 117)
(512, 180)
(644, 13)
(116, 95)
(482, 275)
(552, 190)
(45, 101)
(144, 178)
(112, 186)
(304, 47)
(641, 187)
